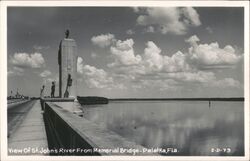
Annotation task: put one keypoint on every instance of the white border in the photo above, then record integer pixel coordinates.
(3, 72)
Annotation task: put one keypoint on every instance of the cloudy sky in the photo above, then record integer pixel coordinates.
(130, 52)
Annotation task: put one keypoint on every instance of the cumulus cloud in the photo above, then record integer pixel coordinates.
(147, 63)
(123, 53)
(176, 63)
(151, 60)
(45, 73)
(80, 65)
(25, 60)
(152, 56)
(94, 77)
(155, 61)
(153, 66)
(199, 56)
(211, 55)
(191, 16)
(103, 40)
(192, 40)
(173, 20)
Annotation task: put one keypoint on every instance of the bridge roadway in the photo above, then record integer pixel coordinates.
(17, 110)
(26, 129)
(60, 129)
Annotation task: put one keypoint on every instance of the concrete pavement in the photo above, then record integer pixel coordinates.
(30, 137)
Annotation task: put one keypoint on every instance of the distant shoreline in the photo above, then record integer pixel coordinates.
(178, 99)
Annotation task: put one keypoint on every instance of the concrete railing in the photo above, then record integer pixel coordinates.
(9, 101)
(69, 134)
(17, 102)
(43, 100)
(61, 135)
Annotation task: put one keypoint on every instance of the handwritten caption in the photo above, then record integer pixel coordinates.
(110, 151)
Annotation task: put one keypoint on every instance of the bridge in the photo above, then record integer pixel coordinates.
(56, 126)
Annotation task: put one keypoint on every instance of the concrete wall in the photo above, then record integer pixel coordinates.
(61, 135)
(13, 104)
(54, 100)
(69, 131)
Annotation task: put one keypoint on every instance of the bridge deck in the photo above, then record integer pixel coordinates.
(30, 134)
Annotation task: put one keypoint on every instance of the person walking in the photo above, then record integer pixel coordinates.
(42, 92)
(53, 90)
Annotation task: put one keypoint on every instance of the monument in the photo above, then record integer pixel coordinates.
(67, 60)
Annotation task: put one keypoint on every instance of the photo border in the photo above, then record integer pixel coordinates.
(3, 72)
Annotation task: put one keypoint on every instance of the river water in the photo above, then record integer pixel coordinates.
(192, 127)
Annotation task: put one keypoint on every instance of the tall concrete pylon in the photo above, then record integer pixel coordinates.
(67, 60)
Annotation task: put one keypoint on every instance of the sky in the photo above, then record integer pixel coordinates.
(126, 52)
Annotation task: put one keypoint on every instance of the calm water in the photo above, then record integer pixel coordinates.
(190, 126)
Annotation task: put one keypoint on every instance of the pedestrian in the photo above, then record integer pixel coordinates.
(53, 90)
(42, 91)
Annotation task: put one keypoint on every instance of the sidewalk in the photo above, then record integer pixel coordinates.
(30, 137)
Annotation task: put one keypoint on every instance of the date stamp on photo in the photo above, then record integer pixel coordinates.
(221, 150)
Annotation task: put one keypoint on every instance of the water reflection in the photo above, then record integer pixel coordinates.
(192, 127)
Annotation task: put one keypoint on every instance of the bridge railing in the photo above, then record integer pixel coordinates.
(61, 134)
(67, 131)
